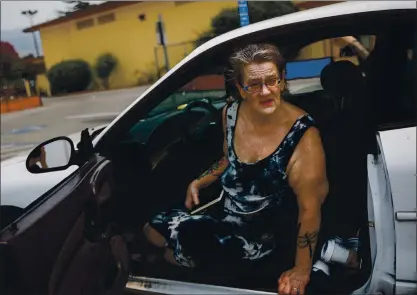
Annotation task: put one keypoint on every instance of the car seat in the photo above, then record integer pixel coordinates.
(343, 138)
(347, 137)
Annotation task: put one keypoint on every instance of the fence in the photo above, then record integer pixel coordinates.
(175, 52)
(11, 90)
(14, 97)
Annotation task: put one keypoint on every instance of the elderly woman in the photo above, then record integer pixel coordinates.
(273, 156)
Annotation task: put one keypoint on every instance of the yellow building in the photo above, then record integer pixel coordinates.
(128, 31)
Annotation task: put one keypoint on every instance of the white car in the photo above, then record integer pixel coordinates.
(14, 174)
(72, 239)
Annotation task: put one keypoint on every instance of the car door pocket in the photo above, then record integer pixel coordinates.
(102, 183)
(96, 207)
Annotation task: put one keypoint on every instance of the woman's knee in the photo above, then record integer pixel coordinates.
(154, 236)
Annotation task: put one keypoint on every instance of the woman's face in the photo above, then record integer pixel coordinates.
(261, 87)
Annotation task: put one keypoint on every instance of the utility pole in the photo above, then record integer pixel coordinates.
(160, 32)
(30, 13)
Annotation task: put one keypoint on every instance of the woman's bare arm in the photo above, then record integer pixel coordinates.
(307, 177)
(215, 171)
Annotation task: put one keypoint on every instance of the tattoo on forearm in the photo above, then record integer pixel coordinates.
(308, 239)
(213, 170)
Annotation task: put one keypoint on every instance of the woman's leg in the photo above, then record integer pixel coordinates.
(158, 240)
(153, 236)
(188, 240)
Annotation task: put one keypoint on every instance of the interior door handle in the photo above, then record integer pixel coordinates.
(406, 216)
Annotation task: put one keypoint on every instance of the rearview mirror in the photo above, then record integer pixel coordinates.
(52, 155)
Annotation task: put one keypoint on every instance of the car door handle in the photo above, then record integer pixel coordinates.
(406, 216)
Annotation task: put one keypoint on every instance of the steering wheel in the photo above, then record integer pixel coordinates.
(210, 115)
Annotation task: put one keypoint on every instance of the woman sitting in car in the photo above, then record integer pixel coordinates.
(273, 174)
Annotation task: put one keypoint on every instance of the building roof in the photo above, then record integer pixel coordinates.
(94, 9)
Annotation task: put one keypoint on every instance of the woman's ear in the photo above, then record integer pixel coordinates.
(241, 91)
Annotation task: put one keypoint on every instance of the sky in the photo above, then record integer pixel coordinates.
(13, 22)
(11, 17)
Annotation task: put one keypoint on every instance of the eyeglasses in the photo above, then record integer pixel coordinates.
(257, 87)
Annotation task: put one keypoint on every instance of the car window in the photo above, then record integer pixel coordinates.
(210, 87)
(303, 71)
(395, 84)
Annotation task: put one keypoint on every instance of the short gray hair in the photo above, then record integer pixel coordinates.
(254, 53)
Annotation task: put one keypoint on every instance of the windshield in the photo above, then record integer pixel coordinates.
(180, 99)
(210, 87)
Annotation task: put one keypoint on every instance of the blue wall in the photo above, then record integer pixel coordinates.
(306, 68)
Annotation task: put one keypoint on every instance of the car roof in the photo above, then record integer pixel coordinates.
(339, 9)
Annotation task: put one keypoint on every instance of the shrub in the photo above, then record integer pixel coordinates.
(148, 75)
(104, 67)
(69, 76)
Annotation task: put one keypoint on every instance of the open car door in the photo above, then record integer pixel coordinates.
(65, 243)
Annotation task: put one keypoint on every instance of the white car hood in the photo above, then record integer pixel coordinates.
(20, 188)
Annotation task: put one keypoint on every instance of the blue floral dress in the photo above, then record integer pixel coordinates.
(255, 194)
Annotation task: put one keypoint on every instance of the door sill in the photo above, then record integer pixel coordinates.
(145, 285)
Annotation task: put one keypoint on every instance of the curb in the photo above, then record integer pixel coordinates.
(20, 104)
(85, 93)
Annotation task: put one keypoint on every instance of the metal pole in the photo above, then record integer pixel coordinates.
(166, 58)
(34, 37)
(163, 41)
(158, 72)
(30, 14)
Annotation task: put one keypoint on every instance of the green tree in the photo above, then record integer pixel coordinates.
(228, 19)
(77, 5)
(10, 63)
(104, 67)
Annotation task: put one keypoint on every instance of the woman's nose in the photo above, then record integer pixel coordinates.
(265, 90)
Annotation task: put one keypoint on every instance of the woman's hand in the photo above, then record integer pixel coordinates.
(191, 198)
(349, 39)
(294, 281)
(356, 45)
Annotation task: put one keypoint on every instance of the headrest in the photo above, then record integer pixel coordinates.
(342, 78)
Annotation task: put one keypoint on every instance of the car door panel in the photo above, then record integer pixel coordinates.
(399, 149)
(68, 250)
(37, 263)
(55, 217)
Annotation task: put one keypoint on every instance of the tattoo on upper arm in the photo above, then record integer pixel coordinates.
(213, 170)
(308, 239)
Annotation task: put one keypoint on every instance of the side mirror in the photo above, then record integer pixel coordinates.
(53, 155)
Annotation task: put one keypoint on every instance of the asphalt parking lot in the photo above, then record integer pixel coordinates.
(21, 131)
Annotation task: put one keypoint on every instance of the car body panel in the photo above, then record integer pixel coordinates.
(162, 286)
(14, 174)
(381, 226)
(81, 249)
(399, 148)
